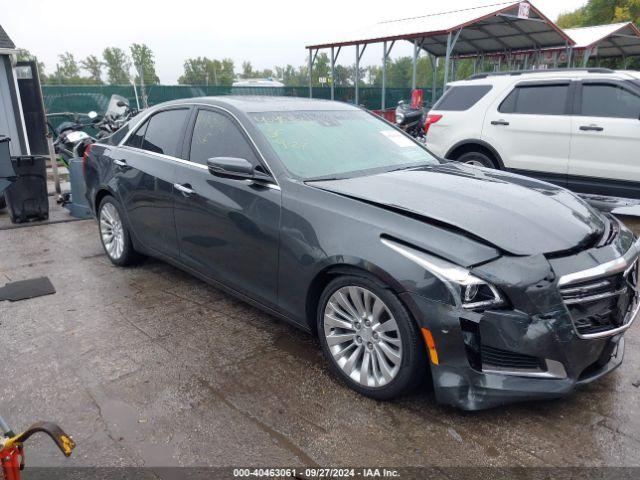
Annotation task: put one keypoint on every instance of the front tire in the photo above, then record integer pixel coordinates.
(477, 159)
(114, 233)
(369, 338)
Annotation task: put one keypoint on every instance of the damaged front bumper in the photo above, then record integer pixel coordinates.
(573, 337)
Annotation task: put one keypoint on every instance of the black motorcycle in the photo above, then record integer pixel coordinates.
(70, 137)
(410, 119)
(118, 113)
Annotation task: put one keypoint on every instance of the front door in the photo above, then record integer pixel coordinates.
(145, 175)
(531, 129)
(605, 140)
(227, 229)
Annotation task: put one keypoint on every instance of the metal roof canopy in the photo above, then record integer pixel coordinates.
(478, 31)
(607, 41)
(483, 30)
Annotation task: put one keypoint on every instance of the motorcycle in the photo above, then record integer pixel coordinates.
(70, 137)
(411, 117)
(118, 113)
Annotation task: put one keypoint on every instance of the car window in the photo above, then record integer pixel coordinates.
(164, 132)
(536, 100)
(606, 100)
(314, 144)
(136, 138)
(215, 135)
(460, 98)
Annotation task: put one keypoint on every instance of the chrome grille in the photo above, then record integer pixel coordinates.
(602, 305)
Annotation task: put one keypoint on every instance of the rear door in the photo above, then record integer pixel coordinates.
(145, 175)
(530, 128)
(228, 229)
(605, 139)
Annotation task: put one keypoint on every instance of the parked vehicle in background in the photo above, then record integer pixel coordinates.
(504, 287)
(410, 116)
(70, 136)
(117, 114)
(576, 128)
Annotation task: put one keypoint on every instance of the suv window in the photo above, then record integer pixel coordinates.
(163, 132)
(460, 98)
(215, 135)
(536, 100)
(606, 100)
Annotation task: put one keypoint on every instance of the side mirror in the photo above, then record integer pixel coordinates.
(92, 114)
(121, 103)
(237, 168)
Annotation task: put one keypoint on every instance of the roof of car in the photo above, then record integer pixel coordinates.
(551, 74)
(250, 103)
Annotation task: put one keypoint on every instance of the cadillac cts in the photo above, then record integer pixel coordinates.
(503, 288)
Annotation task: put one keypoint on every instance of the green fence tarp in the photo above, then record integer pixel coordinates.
(85, 98)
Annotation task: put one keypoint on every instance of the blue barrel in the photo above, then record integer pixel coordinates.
(78, 207)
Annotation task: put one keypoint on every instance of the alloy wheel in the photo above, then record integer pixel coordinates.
(111, 230)
(362, 336)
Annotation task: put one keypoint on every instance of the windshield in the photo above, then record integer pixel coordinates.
(113, 107)
(315, 145)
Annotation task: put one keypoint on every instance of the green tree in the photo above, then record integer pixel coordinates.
(144, 63)
(204, 71)
(93, 65)
(67, 70)
(117, 64)
(247, 70)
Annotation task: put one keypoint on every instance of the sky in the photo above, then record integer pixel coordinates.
(267, 33)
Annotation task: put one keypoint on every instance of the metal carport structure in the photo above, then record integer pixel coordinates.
(475, 32)
(618, 40)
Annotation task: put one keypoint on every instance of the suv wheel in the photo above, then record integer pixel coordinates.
(369, 339)
(477, 159)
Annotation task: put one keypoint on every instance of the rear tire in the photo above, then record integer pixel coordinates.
(3, 202)
(478, 159)
(114, 233)
(358, 320)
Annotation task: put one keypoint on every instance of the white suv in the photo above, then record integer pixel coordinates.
(576, 128)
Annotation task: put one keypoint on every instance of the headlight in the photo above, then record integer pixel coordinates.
(399, 117)
(468, 290)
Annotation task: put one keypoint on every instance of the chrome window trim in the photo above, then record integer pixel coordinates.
(151, 112)
(272, 186)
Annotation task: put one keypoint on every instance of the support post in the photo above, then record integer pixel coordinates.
(383, 103)
(385, 56)
(414, 77)
(310, 68)
(585, 57)
(447, 59)
(451, 44)
(357, 75)
(434, 81)
(333, 74)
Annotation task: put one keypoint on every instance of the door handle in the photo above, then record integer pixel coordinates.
(185, 189)
(591, 128)
(120, 163)
(499, 122)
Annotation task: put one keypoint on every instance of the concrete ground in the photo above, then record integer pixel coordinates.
(149, 366)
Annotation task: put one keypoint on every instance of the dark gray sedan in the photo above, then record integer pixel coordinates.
(497, 287)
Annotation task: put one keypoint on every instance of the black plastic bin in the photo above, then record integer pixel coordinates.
(27, 197)
(7, 175)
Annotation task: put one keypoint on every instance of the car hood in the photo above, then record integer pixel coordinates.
(516, 214)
